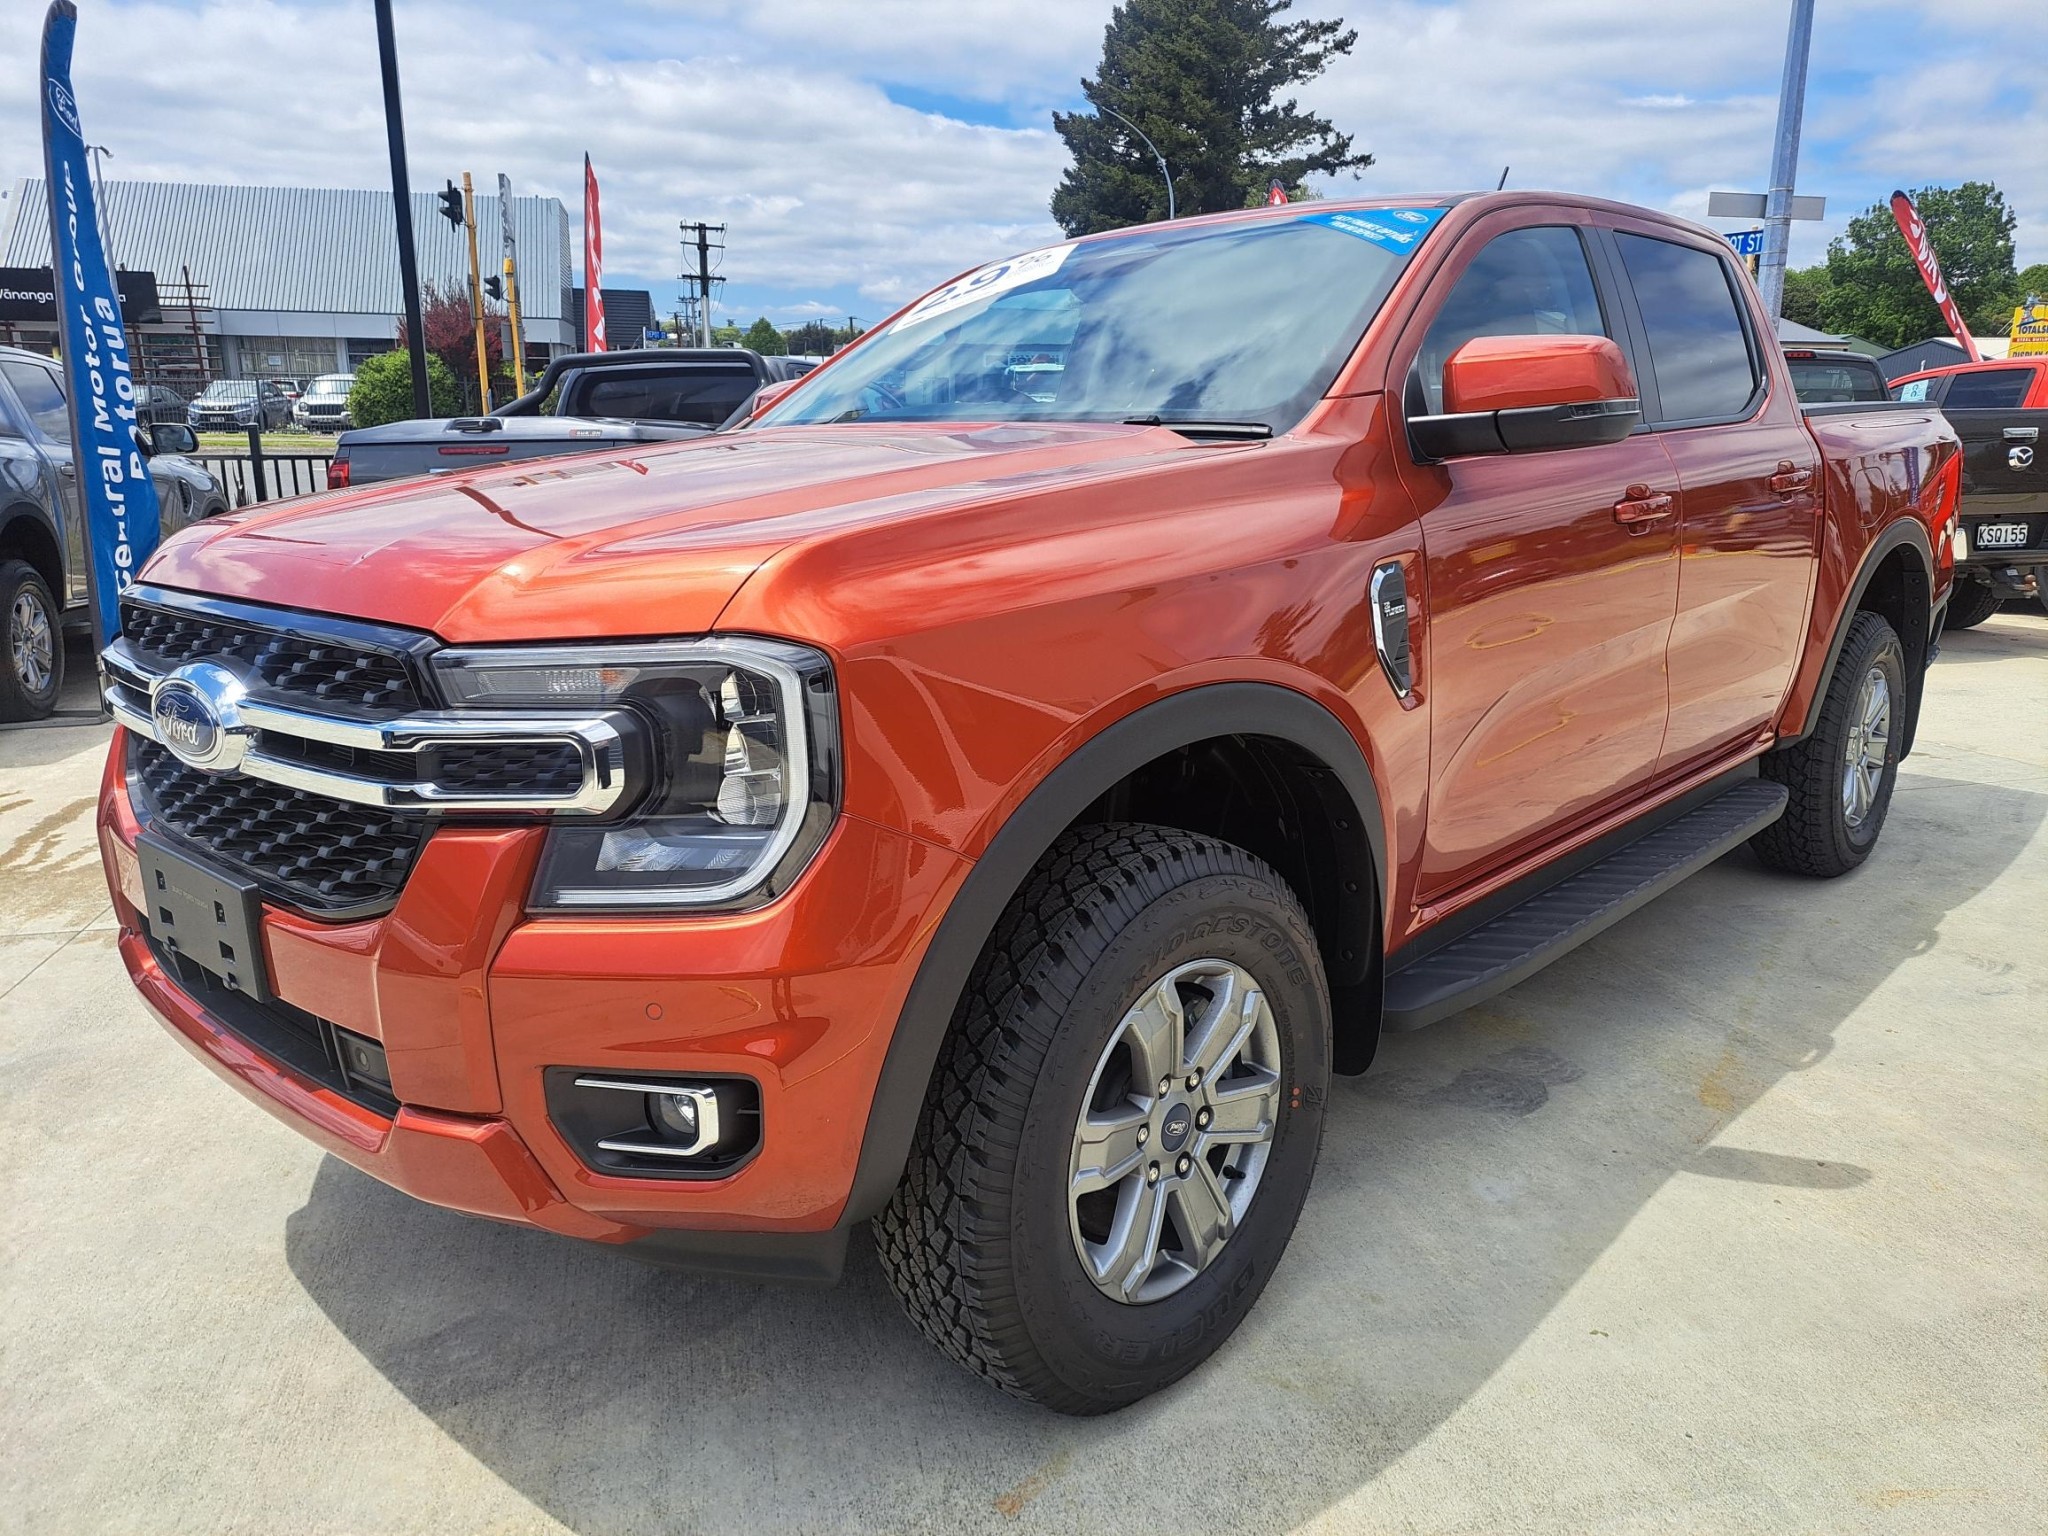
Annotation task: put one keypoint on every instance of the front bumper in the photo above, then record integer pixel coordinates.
(473, 1001)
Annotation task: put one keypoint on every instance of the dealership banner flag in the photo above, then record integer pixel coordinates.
(593, 263)
(1914, 228)
(115, 493)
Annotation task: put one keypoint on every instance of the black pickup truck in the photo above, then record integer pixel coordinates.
(42, 531)
(583, 402)
(2000, 411)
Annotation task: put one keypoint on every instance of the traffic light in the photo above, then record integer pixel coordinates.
(451, 205)
(495, 287)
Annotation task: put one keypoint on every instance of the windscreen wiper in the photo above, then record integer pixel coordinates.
(1188, 427)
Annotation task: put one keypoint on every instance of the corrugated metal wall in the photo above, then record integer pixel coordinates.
(303, 249)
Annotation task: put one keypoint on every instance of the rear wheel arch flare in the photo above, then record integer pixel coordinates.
(25, 536)
(1895, 581)
(1274, 733)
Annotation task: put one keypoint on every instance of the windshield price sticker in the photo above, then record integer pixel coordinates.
(985, 282)
(1391, 229)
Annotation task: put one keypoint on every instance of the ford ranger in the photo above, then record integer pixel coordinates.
(988, 793)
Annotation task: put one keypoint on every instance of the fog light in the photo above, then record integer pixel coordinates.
(674, 1115)
(363, 1060)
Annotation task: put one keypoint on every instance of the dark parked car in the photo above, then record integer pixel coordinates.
(156, 403)
(228, 404)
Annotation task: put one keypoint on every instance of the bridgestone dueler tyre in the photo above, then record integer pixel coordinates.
(977, 1241)
(1816, 835)
(31, 644)
(1970, 604)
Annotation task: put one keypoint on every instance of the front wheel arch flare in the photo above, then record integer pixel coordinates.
(1106, 759)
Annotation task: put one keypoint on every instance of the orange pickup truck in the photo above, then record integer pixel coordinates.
(990, 791)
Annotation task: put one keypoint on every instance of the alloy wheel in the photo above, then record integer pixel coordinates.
(1175, 1131)
(1868, 747)
(31, 642)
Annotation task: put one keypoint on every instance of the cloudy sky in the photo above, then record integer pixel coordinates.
(860, 150)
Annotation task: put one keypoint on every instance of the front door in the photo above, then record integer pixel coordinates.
(39, 390)
(1551, 582)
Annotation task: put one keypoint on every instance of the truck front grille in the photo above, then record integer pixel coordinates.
(333, 672)
(325, 856)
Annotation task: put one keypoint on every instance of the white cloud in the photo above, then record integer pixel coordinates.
(775, 116)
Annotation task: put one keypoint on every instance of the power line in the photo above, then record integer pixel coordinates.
(697, 239)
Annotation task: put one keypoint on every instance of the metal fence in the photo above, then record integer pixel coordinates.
(259, 474)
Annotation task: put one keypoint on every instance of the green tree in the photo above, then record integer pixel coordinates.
(1204, 79)
(383, 390)
(1874, 288)
(2032, 281)
(1806, 296)
(763, 338)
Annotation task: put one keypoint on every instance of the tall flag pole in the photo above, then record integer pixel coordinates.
(1914, 228)
(593, 264)
(115, 491)
(511, 259)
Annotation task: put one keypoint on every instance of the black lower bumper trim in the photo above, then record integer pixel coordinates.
(801, 1258)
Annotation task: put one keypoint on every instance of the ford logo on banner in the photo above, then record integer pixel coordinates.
(116, 496)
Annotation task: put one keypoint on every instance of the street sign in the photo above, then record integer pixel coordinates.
(1747, 242)
(1750, 205)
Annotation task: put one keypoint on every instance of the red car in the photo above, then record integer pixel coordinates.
(990, 793)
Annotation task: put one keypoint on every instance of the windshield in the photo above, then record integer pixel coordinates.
(230, 389)
(1233, 323)
(333, 385)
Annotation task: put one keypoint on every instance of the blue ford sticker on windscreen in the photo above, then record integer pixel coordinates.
(1392, 229)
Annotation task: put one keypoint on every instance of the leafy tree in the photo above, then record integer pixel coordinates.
(727, 335)
(1806, 295)
(814, 338)
(2031, 281)
(1204, 79)
(1874, 289)
(763, 338)
(451, 336)
(383, 390)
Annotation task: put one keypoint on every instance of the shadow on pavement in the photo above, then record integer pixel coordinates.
(1466, 1185)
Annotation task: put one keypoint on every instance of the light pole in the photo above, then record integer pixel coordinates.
(99, 195)
(1770, 276)
(401, 207)
(1163, 171)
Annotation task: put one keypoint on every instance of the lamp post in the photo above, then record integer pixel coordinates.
(1163, 171)
(401, 205)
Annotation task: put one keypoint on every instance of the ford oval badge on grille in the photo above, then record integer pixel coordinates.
(194, 712)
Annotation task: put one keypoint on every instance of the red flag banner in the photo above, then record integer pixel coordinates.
(1914, 228)
(1276, 196)
(593, 264)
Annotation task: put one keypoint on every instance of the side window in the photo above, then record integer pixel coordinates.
(1699, 349)
(42, 397)
(1916, 391)
(1527, 282)
(1995, 389)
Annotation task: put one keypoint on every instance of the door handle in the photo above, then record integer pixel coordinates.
(1789, 479)
(1638, 508)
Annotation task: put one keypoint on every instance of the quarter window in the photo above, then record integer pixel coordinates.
(1527, 282)
(1699, 349)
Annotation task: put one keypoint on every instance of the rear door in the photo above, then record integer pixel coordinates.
(1550, 576)
(1749, 490)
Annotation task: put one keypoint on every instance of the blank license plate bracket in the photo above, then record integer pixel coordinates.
(205, 916)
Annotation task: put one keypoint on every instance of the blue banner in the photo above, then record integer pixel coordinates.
(116, 495)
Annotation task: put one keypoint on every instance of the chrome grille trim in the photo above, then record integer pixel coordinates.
(598, 738)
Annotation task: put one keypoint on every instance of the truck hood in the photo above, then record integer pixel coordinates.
(648, 541)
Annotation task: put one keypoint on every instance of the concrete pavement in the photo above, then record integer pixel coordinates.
(1735, 1220)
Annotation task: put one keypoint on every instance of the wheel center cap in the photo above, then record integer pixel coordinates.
(1173, 1131)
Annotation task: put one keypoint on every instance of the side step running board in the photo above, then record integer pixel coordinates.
(1524, 939)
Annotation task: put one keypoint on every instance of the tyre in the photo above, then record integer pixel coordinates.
(1841, 776)
(1123, 1121)
(32, 658)
(1970, 604)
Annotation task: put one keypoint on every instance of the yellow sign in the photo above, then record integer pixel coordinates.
(2030, 332)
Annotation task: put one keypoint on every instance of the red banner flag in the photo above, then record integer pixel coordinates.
(1914, 228)
(593, 264)
(1276, 196)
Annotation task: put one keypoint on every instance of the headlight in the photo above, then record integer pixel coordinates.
(746, 766)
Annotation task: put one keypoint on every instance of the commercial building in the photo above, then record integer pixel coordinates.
(280, 282)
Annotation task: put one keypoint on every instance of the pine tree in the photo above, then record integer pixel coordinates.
(1200, 78)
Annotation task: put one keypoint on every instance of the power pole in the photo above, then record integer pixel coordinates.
(476, 297)
(702, 276)
(511, 281)
(1785, 159)
(401, 199)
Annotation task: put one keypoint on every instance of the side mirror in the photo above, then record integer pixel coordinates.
(1519, 394)
(169, 437)
(769, 395)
